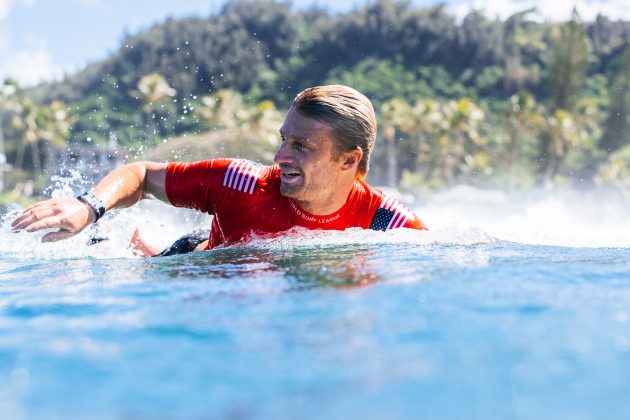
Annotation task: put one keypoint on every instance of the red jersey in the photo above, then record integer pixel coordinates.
(245, 198)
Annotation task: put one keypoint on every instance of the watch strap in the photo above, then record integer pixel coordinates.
(93, 202)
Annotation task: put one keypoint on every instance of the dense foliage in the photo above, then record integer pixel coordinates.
(481, 100)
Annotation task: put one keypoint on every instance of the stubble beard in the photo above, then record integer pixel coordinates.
(306, 192)
(315, 187)
(292, 191)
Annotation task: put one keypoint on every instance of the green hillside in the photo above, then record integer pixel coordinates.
(513, 102)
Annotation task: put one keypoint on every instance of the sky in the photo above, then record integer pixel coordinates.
(45, 39)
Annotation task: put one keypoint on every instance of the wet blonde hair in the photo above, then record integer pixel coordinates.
(348, 112)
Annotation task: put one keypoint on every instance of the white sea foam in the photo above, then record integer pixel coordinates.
(548, 217)
(301, 237)
(462, 216)
(159, 223)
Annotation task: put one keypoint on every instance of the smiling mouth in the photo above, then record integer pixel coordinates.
(289, 175)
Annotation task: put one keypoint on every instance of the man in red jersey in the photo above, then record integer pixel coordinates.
(316, 182)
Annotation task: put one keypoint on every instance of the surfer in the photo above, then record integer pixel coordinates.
(317, 182)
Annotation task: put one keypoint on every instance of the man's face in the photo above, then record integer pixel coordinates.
(309, 164)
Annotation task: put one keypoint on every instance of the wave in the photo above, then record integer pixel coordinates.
(161, 225)
(560, 217)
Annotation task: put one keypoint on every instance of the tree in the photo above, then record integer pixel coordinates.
(153, 88)
(569, 59)
(428, 125)
(259, 131)
(616, 171)
(515, 73)
(10, 96)
(428, 119)
(247, 131)
(26, 123)
(396, 116)
(39, 124)
(617, 125)
(223, 110)
(524, 120)
(449, 141)
(559, 133)
(466, 142)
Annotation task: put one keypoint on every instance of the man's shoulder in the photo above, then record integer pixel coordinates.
(233, 173)
(390, 211)
(219, 164)
(368, 191)
(248, 177)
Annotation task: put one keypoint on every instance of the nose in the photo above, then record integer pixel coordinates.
(283, 155)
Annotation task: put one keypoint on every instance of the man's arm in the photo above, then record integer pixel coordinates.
(121, 188)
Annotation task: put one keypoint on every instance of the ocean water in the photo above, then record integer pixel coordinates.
(512, 306)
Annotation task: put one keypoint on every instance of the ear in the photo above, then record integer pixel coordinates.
(351, 159)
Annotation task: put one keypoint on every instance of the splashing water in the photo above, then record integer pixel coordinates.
(463, 215)
(540, 217)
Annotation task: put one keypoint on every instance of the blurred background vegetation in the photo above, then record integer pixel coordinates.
(511, 104)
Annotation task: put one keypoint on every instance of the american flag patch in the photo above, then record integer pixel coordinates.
(390, 215)
(242, 175)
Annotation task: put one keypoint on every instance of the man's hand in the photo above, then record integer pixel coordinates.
(70, 215)
(121, 188)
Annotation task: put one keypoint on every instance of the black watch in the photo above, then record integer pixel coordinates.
(93, 202)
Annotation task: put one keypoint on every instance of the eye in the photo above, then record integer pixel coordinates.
(299, 146)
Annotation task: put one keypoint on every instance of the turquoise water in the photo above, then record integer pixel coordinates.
(454, 323)
(340, 325)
